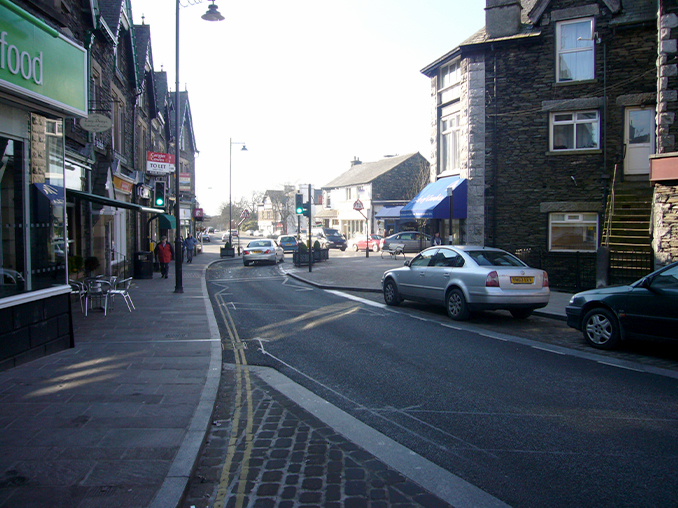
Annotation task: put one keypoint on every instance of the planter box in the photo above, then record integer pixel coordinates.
(300, 258)
(226, 252)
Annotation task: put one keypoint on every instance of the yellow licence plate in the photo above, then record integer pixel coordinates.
(256, 252)
(522, 280)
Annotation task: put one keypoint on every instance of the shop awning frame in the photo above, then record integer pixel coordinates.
(166, 221)
(433, 203)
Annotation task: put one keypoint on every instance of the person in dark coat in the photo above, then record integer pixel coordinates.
(165, 253)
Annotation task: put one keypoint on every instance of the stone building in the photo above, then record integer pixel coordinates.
(551, 126)
(384, 183)
(664, 165)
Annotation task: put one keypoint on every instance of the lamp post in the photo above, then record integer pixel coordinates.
(212, 14)
(230, 202)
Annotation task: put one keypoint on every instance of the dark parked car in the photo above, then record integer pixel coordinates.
(413, 241)
(329, 238)
(648, 307)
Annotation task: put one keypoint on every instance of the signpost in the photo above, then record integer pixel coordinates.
(359, 207)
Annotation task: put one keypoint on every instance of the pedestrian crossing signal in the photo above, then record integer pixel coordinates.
(160, 194)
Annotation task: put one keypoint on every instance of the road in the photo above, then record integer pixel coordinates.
(532, 426)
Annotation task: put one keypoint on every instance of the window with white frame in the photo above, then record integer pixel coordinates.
(450, 142)
(449, 82)
(573, 232)
(575, 130)
(575, 50)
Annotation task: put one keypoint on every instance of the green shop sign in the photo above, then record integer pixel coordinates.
(37, 62)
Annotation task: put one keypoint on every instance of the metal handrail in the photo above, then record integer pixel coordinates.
(608, 226)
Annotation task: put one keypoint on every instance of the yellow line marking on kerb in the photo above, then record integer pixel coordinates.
(242, 373)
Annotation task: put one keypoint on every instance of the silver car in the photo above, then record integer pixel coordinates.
(412, 241)
(468, 278)
(263, 250)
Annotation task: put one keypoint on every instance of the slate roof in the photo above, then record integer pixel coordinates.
(636, 11)
(367, 171)
(111, 11)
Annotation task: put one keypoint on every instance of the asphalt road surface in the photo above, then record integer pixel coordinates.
(533, 426)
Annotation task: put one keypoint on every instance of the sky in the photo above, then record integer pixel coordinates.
(308, 85)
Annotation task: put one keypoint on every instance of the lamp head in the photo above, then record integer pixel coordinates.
(243, 149)
(212, 13)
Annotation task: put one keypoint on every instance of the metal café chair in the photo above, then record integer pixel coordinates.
(122, 288)
(97, 290)
(78, 288)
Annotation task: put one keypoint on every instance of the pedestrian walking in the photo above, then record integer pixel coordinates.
(189, 245)
(436, 239)
(165, 254)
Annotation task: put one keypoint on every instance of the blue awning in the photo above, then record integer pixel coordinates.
(389, 212)
(433, 202)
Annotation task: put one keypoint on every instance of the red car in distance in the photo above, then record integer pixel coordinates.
(360, 242)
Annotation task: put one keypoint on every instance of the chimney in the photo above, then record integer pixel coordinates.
(502, 18)
(355, 161)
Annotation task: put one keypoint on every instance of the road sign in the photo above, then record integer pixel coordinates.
(358, 205)
(245, 214)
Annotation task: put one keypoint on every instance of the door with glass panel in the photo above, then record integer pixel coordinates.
(639, 139)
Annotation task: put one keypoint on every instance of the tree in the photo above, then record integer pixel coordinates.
(280, 202)
(420, 179)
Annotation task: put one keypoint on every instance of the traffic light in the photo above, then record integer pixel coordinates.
(299, 204)
(307, 209)
(160, 194)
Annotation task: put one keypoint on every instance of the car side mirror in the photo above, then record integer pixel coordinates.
(646, 283)
(407, 263)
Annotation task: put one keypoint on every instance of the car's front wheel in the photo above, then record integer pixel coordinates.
(375, 248)
(355, 247)
(455, 303)
(391, 295)
(601, 328)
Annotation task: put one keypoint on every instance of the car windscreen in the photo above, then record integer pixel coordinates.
(494, 258)
(331, 232)
(259, 243)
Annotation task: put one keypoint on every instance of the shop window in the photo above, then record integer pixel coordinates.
(47, 232)
(573, 232)
(12, 274)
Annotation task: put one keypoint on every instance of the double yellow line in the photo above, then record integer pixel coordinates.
(242, 376)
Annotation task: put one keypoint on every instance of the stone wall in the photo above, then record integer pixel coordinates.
(665, 200)
(521, 171)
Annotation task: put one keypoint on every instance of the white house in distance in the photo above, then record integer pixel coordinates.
(391, 181)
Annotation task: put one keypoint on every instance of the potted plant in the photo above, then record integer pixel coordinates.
(76, 264)
(91, 264)
(301, 256)
(227, 250)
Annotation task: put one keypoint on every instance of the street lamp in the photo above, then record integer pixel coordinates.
(230, 203)
(212, 14)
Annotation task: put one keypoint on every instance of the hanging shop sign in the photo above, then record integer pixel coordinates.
(96, 122)
(197, 214)
(185, 182)
(158, 163)
(41, 64)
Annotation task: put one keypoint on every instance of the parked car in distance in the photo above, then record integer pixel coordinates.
(205, 237)
(329, 238)
(259, 232)
(262, 251)
(646, 308)
(466, 278)
(235, 233)
(413, 241)
(360, 243)
(288, 243)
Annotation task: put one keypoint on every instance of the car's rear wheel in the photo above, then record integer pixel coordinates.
(521, 313)
(375, 248)
(601, 328)
(391, 295)
(456, 305)
(246, 263)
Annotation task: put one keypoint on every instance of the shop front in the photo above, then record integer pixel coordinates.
(43, 80)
